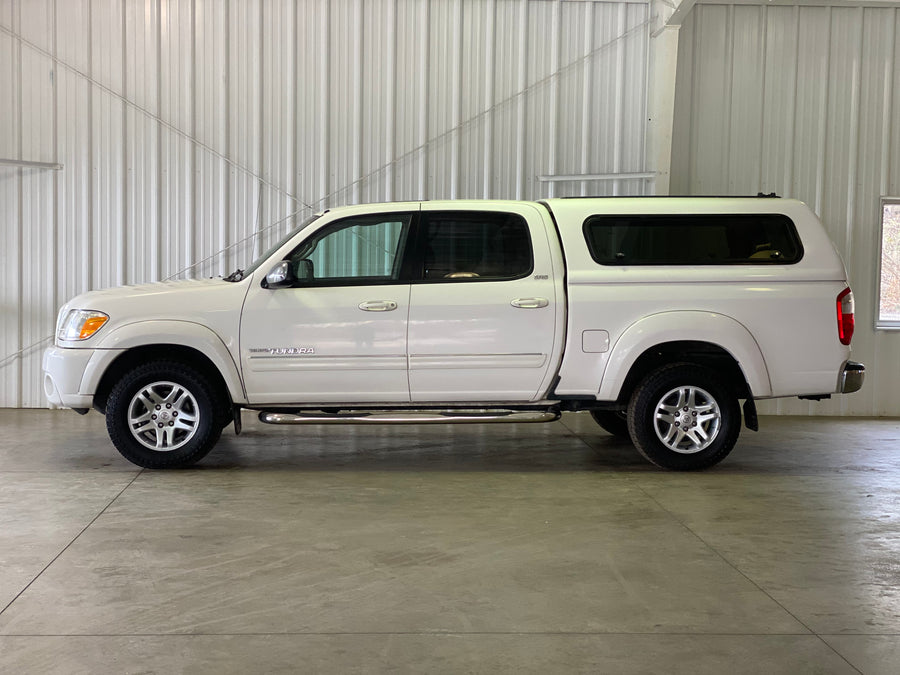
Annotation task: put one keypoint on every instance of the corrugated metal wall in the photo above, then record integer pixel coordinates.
(803, 101)
(186, 126)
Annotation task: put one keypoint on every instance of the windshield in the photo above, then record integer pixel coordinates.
(265, 256)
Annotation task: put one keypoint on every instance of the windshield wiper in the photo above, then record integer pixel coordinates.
(237, 275)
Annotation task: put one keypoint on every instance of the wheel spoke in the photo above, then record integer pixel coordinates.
(138, 427)
(140, 419)
(184, 407)
(670, 434)
(689, 397)
(666, 416)
(187, 416)
(184, 424)
(695, 438)
(703, 419)
(148, 399)
(174, 396)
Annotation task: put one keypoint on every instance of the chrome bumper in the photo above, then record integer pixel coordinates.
(852, 376)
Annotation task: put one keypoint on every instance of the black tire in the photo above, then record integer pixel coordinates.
(690, 397)
(613, 422)
(163, 415)
(226, 417)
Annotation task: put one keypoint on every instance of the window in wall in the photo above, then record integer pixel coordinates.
(889, 287)
(700, 239)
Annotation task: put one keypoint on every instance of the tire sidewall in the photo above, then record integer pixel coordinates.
(117, 411)
(642, 412)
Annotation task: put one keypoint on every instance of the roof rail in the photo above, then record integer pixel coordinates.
(758, 195)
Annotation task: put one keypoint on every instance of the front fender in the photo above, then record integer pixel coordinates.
(709, 327)
(164, 332)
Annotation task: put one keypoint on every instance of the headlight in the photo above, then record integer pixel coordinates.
(80, 324)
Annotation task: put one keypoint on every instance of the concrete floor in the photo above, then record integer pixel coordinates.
(489, 549)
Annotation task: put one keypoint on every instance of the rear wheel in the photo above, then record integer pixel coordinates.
(163, 415)
(684, 417)
(614, 422)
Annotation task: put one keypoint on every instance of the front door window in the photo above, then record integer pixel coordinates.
(364, 250)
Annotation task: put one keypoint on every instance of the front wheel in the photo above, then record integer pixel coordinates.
(684, 417)
(163, 415)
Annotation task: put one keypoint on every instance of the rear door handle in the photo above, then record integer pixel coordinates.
(378, 306)
(530, 303)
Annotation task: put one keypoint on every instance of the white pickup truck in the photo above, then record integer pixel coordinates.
(656, 315)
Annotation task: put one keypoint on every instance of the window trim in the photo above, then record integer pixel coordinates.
(792, 233)
(879, 323)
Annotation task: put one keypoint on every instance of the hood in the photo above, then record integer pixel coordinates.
(202, 301)
(93, 299)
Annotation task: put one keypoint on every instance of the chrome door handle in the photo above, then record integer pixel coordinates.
(378, 306)
(530, 303)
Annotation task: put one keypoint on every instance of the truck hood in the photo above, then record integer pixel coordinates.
(94, 299)
(204, 301)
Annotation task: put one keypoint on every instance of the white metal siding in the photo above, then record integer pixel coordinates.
(803, 101)
(186, 126)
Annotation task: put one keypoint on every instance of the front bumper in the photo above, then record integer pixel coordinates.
(63, 374)
(852, 376)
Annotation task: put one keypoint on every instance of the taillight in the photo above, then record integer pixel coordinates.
(845, 316)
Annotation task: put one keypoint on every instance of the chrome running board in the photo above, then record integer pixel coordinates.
(410, 417)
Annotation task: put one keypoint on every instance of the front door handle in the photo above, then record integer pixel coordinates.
(378, 306)
(530, 303)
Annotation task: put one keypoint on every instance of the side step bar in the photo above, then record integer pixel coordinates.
(411, 417)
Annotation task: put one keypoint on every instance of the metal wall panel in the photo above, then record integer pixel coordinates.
(803, 101)
(193, 133)
(10, 210)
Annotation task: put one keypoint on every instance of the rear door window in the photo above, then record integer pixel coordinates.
(474, 246)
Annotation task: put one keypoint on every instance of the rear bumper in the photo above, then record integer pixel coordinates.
(852, 376)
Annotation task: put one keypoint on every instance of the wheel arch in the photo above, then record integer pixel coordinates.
(192, 344)
(671, 337)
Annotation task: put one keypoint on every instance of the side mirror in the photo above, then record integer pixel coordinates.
(280, 276)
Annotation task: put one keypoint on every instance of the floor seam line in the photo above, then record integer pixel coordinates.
(67, 546)
(719, 555)
(733, 566)
(421, 634)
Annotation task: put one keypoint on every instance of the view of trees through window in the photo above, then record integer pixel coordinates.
(889, 305)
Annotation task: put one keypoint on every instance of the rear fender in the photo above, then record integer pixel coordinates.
(709, 327)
